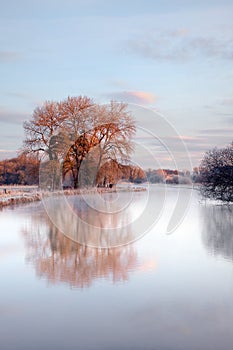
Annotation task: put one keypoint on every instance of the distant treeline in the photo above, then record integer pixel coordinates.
(24, 170)
(173, 176)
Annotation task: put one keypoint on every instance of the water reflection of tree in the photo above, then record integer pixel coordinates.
(59, 259)
(92, 222)
(217, 231)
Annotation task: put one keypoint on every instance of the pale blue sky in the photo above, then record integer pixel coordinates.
(174, 56)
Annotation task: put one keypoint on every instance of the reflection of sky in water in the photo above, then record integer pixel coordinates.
(162, 292)
(128, 206)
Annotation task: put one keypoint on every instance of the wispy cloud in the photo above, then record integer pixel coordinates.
(217, 132)
(138, 97)
(181, 46)
(9, 56)
(7, 150)
(19, 95)
(196, 145)
(12, 117)
(32, 100)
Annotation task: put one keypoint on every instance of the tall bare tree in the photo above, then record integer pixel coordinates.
(116, 127)
(75, 130)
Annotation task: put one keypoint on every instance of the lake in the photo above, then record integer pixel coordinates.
(160, 291)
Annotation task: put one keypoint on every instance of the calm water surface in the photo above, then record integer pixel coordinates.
(162, 292)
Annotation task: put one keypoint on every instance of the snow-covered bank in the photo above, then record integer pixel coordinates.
(27, 194)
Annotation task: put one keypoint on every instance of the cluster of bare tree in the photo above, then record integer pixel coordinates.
(79, 134)
(22, 170)
(169, 176)
(217, 174)
(112, 171)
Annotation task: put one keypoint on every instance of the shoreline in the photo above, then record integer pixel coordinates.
(24, 196)
(16, 195)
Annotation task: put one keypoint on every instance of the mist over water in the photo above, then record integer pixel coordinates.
(159, 292)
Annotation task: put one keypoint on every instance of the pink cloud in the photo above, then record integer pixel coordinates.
(138, 97)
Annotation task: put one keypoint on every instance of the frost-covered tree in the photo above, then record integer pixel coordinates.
(217, 174)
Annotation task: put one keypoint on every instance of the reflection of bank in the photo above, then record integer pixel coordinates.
(59, 259)
(217, 231)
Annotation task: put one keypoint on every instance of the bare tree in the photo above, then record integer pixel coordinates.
(46, 122)
(75, 130)
(55, 125)
(77, 114)
(116, 127)
(107, 135)
(217, 174)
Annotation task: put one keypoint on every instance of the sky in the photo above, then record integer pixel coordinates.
(172, 57)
